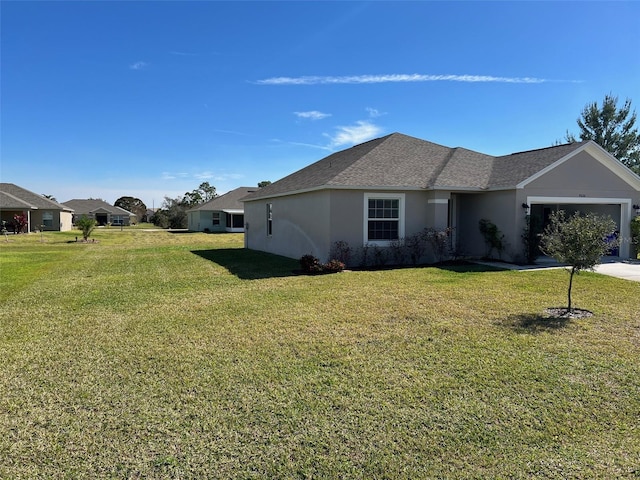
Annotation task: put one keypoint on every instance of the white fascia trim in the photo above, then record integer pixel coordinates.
(598, 153)
(365, 225)
(438, 200)
(340, 187)
(578, 200)
(233, 211)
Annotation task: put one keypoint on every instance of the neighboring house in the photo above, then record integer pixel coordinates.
(384, 190)
(101, 211)
(41, 212)
(221, 214)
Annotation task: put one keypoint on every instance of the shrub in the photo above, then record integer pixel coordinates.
(440, 242)
(310, 264)
(333, 266)
(341, 251)
(416, 247)
(493, 237)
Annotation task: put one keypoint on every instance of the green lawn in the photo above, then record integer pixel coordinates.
(181, 355)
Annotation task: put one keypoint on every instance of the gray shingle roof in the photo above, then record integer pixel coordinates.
(92, 205)
(228, 201)
(13, 196)
(400, 161)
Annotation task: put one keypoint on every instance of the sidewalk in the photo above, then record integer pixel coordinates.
(612, 266)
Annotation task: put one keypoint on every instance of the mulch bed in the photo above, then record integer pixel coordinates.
(562, 312)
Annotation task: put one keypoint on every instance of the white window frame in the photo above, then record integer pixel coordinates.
(117, 220)
(365, 226)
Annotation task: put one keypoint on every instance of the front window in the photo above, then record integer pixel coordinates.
(47, 219)
(216, 218)
(117, 220)
(384, 218)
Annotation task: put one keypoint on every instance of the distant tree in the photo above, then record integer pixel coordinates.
(202, 194)
(580, 241)
(172, 214)
(87, 225)
(264, 183)
(612, 128)
(133, 205)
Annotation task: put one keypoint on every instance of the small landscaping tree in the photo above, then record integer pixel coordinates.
(579, 241)
(20, 222)
(87, 225)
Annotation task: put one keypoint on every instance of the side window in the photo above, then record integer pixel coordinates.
(384, 218)
(269, 219)
(216, 218)
(47, 219)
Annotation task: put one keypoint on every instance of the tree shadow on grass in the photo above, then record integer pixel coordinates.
(534, 323)
(250, 264)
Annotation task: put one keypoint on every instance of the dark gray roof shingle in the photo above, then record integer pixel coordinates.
(400, 161)
(27, 199)
(228, 201)
(91, 205)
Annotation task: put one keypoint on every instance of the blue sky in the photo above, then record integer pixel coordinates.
(150, 99)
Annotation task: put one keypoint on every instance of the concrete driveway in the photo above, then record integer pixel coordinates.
(625, 269)
(629, 270)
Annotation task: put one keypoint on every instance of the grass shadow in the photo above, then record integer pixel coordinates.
(534, 323)
(467, 267)
(250, 264)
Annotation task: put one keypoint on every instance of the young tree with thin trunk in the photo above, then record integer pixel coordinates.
(579, 241)
(87, 225)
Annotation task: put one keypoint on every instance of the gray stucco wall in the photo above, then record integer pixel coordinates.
(310, 223)
(499, 207)
(300, 225)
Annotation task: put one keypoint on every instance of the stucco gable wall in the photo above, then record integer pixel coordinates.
(580, 175)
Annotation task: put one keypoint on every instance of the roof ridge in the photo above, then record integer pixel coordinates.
(440, 169)
(545, 148)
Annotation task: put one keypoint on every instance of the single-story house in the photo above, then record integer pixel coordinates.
(380, 192)
(101, 211)
(42, 213)
(221, 214)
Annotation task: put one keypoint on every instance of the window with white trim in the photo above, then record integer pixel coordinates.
(384, 218)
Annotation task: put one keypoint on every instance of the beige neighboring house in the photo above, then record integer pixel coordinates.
(221, 214)
(41, 212)
(101, 211)
(387, 189)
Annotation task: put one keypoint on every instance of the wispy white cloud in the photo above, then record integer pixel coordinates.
(217, 176)
(394, 78)
(312, 115)
(138, 66)
(374, 113)
(173, 176)
(353, 134)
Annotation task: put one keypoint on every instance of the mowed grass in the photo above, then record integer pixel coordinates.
(167, 355)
